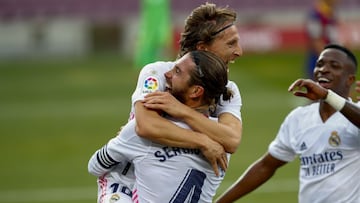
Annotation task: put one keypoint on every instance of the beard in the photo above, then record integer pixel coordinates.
(179, 94)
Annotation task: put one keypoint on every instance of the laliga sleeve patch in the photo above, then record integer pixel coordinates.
(151, 84)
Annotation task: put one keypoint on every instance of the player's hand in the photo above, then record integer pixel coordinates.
(216, 155)
(312, 91)
(357, 88)
(166, 102)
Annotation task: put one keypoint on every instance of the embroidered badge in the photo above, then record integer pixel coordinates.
(334, 139)
(114, 198)
(151, 84)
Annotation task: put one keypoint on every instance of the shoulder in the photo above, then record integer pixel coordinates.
(232, 85)
(151, 78)
(127, 132)
(301, 112)
(159, 65)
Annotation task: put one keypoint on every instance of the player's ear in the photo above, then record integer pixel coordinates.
(351, 80)
(201, 46)
(197, 91)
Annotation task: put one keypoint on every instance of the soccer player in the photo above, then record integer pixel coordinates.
(164, 173)
(325, 135)
(321, 29)
(209, 28)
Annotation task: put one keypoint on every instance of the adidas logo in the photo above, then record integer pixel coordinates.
(303, 146)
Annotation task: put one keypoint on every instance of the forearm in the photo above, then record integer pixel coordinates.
(253, 178)
(227, 131)
(257, 174)
(152, 126)
(352, 113)
(348, 109)
(167, 133)
(95, 168)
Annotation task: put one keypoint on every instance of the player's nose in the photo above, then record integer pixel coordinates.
(168, 74)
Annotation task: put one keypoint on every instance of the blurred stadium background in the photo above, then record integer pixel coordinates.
(66, 76)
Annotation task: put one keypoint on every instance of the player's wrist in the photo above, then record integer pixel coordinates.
(187, 114)
(335, 100)
(203, 142)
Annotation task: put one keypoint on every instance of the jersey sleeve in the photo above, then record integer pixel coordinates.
(281, 146)
(233, 106)
(123, 148)
(151, 79)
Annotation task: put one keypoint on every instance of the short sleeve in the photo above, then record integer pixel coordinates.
(232, 106)
(151, 79)
(280, 147)
(128, 145)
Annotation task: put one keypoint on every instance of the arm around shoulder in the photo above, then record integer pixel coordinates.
(150, 125)
(227, 131)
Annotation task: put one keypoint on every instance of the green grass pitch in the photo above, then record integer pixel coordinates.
(55, 113)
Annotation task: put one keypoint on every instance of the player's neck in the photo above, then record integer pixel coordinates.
(326, 111)
(204, 109)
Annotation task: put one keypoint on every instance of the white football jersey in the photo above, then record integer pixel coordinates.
(329, 154)
(115, 178)
(151, 79)
(163, 173)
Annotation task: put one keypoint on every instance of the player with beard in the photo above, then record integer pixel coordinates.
(208, 28)
(164, 173)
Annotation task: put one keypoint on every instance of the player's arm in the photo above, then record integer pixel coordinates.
(101, 162)
(352, 113)
(227, 131)
(257, 174)
(152, 126)
(119, 150)
(316, 92)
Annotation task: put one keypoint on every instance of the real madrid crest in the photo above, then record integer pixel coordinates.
(114, 198)
(334, 139)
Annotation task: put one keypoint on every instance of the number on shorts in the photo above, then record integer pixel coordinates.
(114, 187)
(123, 189)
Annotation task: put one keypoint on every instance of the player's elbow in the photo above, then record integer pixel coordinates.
(233, 144)
(232, 147)
(93, 168)
(93, 171)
